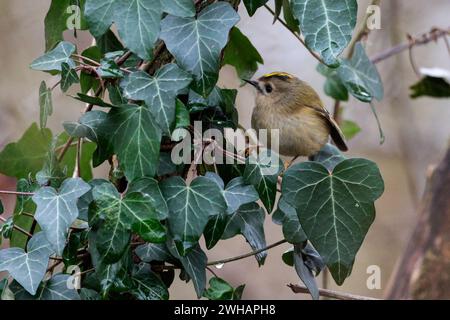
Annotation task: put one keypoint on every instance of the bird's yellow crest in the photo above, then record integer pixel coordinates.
(278, 74)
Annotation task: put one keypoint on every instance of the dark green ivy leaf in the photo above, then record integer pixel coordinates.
(109, 69)
(431, 87)
(159, 92)
(194, 264)
(248, 221)
(360, 76)
(327, 25)
(219, 289)
(150, 188)
(45, 104)
(190, 208)
(333, 87)
(262, 172)
(253, 5)
(136, 137)
(329, 156)
(147, 285)
(68, 77)
(343, 202)
(121, 214)
(287, 216)
(241, 54)
(197, 43)
(137, 22)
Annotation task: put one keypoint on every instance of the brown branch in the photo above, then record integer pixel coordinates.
(329, 293)
(425, 38)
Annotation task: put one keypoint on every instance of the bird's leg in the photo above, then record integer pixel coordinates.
(288, 163)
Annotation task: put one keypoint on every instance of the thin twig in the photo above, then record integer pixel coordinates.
(425, 38)
(29, 235)
(329, 293)
(212, 271)
(250, 254)
(16, 193)
(299, 38)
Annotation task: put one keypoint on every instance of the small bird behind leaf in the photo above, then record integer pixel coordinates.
(291, 105)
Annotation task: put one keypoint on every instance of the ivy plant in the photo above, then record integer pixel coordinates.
(150, 74)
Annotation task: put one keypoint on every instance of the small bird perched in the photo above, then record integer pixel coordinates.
(291, 105)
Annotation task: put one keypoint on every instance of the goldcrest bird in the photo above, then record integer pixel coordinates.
(291, 105)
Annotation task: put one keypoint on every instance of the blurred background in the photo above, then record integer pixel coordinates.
(417, 131)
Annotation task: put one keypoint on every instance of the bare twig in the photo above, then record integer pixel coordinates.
(425, 38)
(329, 293)
(250, 254)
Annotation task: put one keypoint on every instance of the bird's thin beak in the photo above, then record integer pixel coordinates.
(253, 83)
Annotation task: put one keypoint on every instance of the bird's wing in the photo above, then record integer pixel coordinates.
(335, 132)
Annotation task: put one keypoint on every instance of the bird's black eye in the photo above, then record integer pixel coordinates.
(268, 88)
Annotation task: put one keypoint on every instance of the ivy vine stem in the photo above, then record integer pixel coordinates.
(29, 235)
(16, 193)
(299, 38)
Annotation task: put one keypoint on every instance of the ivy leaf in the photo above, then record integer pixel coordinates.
(122, 214)
(1, 207)
(329, 156)
(289, 18)
(158, 92)
(197, 43)
(241, 54)
(194, 263)
(27, 156)
(327, 25)
(350, 129)
(147, 285)
(68, 77)
(53, 60)
(51, 174)
(27, 268)
(248, 221)
(45, 104)
(190, 208)
(57, 18)
(262, 172)
(150, 252)
(253, 5)
(360, 76)
(342, 200)
(90, 126)
(219, 289)
(137, 22)
(111, 277)
(109, 69)
(292, 230)
(136, 138)
(236, 193)
(149, 187)
(54, 289)
(432, 87)
(333, 87)
(56, 211)
(179, 8)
